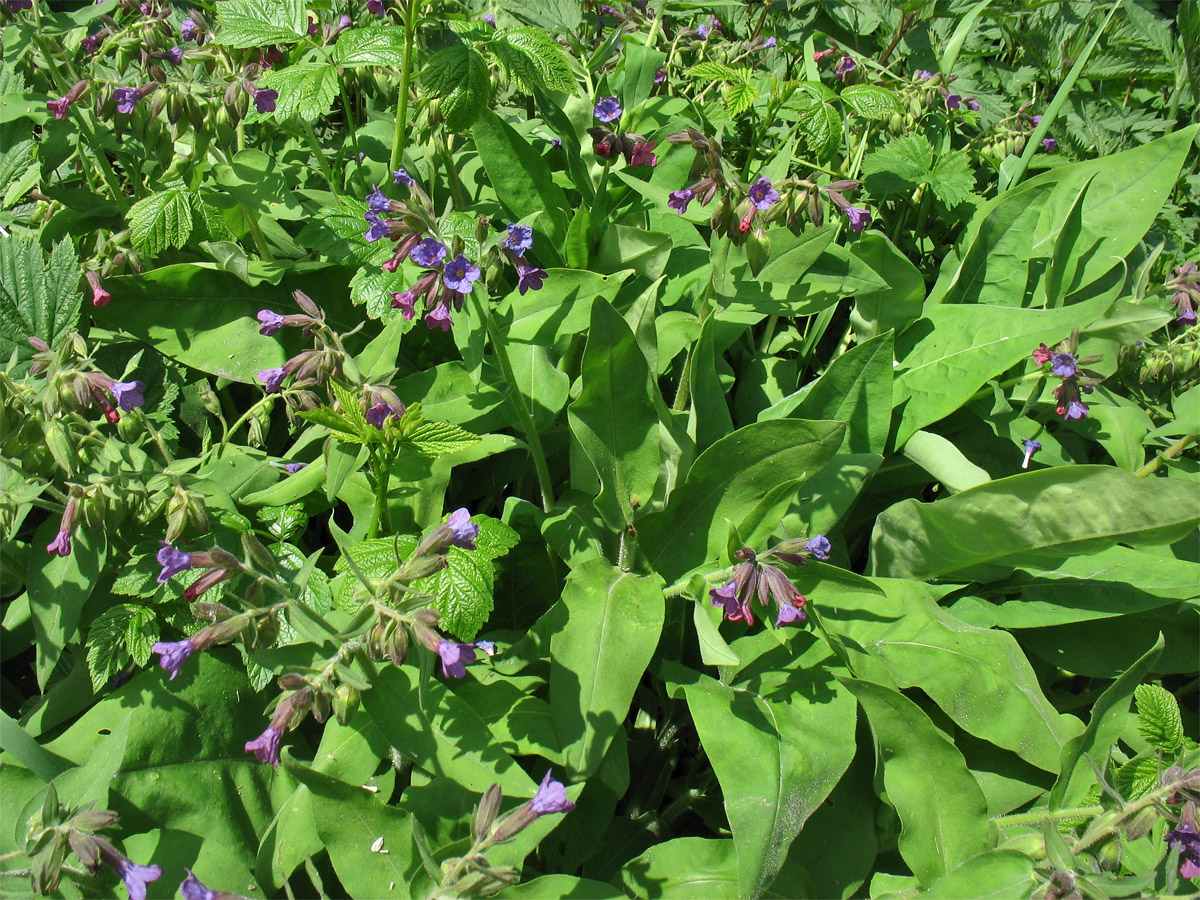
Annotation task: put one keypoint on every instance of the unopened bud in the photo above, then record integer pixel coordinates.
(1140, 825)
(758, 249)
(291, 682)
(485, 813)
(345, 703)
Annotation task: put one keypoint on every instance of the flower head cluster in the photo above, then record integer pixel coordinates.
(513, 248)
(444, 283)
(1185, 288)
(606, 143)
(754, 577)
(218, 565)
(706, 173)
(1065, 362)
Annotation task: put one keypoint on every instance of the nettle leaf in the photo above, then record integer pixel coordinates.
(952, 178)
(258, 23)
(1158, 717)
(822, 126)
(306, 90)
(899, 165)
(458, 75)
(377, 46)
(1138, 776)
(439, 438)
(161, 220)
(18, 171)
(715, 71)
(334, 421)
(372, 287)
(870, 100)
(740, 97)
(339, 233)
(118, 635)
(532, 57)
(39, 296)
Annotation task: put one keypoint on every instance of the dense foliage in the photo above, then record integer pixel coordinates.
(661, 449)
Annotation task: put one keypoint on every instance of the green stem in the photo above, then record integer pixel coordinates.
(319, 153)
(1033, 818)
(379, 514)
(154, 433)
(1170, 453)
(456, 189)
(244, 418)
(532, 436)
(260, 240)
(400, 134)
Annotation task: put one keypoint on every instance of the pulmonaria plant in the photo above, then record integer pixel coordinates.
(753, 576)
(445, 283)
(1185, 292)
(1076, 381)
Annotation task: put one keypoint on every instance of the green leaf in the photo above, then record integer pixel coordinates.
(792, 256)
(335, 421)
(901, 164)
(777, 754)
(999, 874)
(436, 439)
(19, 172)
(1062, 511)
(59, 586)
(339, 233)
(740, 97)
(378, 45)
(1158, 718)
(942, 810)
(458, 76)
(1091, 747)
(894, 306)
(119, 634)
(682, 868)
(39, 297)
(615, 418)
(821, 125)
(942, 460)
(257, 23)
(161, 220)
(870, 101)
(306, 90)
(533, 57)
(610, 623)
(728, 482)
(952, 178)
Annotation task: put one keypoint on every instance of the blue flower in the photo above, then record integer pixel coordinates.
(193, 888)
(1062, 364)
(551, 797)
(378, 203)
(459, 274)
(607, 109)
(428, 253)
(519, 239)
(270, 322)
(455, 657)
(128, 394)
(137, 877)
(679, 200)
(379, 228)
(401, 176)
(173, 561)
(859, 218)
(819, 547)
(265, 747)
(1031, 447)
(462, 530)
(762, 195)
(530, 278)
(173, 654)
(272, 379)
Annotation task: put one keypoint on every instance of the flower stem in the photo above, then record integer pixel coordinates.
(319, 153)
(400, 134)
(1170, 453)
(1033, 818)
(532, 436)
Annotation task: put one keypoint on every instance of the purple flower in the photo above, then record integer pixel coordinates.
(401, 176)
(530, 278)
(188, 30)
(378, 414)
(1187, 842)
(924, 74)
(439, 317)
(428, 253)
(293, 467)
(92, 41)
(137, 877)
(1031, 447)
(859, 218)
(953, 101)
(379, 228)
(378, 203)
(551, 797)
(459, 274)
(18, 5)
(679, 200)
(789, 613)
(1049, 144)
(265, 747)
(973, 105)
(127, 99)
(555, 142)
(193, 888)
(1037, 120)
(406, 303)
(59, 107)
(1042, 355)
(844, 67)
(1075, 410)
(455, 658)
(272, 379)
(271, 322)
(490, 19)
(173, 654)
(702, 32)
(462, 530)
(173, 561)
(660, 76)
(607, 109)
(1062, 364)
(487, 647)
(175, 55)
(519, 239)
(128, 394)
(643, 154)
(264, 100)
(819, 547)
(726, 596)
(762, 195)
(769, 43)
(376, 7)
(61, 545)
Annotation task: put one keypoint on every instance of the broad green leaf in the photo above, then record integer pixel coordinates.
(39, 297)
(898, 304)
(685, 868)
(822, 130)
(458, 77)
(257, 23)
(58, 588)
(727, 483)
(998, 874)
(563, 306)
(641, 64)
(28, 752)
(954, 349)
(709, 418)
(1158, 718)
(161, 220)
(855, 389)
(614, 419)
(777, 754)
(306, 90)
(378, 45)
(610, 623)
(979, 677)
(942, 811)
(1092, 746)
(901, 164)
(792, 256)
(562, 886)
(121, 633)
(1062, 511)
(870, 101)
(533, 57)
(441, 734)
(942, 460)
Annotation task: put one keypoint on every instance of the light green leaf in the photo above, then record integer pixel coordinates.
(39, 297)
(1158, 717)
(257, 23)
(715, 71)
(533, 57)
(436, 439)
(458, 76)
(378, 45)
(870, 100)
(684, 868)
(306, 90)
(161, 220)
(121, 633)
(945, 462)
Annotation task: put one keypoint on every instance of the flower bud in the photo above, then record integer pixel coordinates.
(1140, 825)
(345, 703)
(291, 682)
(485, 813)
(758, 250)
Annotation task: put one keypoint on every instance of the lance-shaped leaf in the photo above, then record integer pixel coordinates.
(942, 810)
(614, 418)
(1060, 512)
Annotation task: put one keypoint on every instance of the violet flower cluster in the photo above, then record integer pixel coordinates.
(1185, 292)
(1076, 381)
(753, 577)
(606, 143)
(443, 284)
